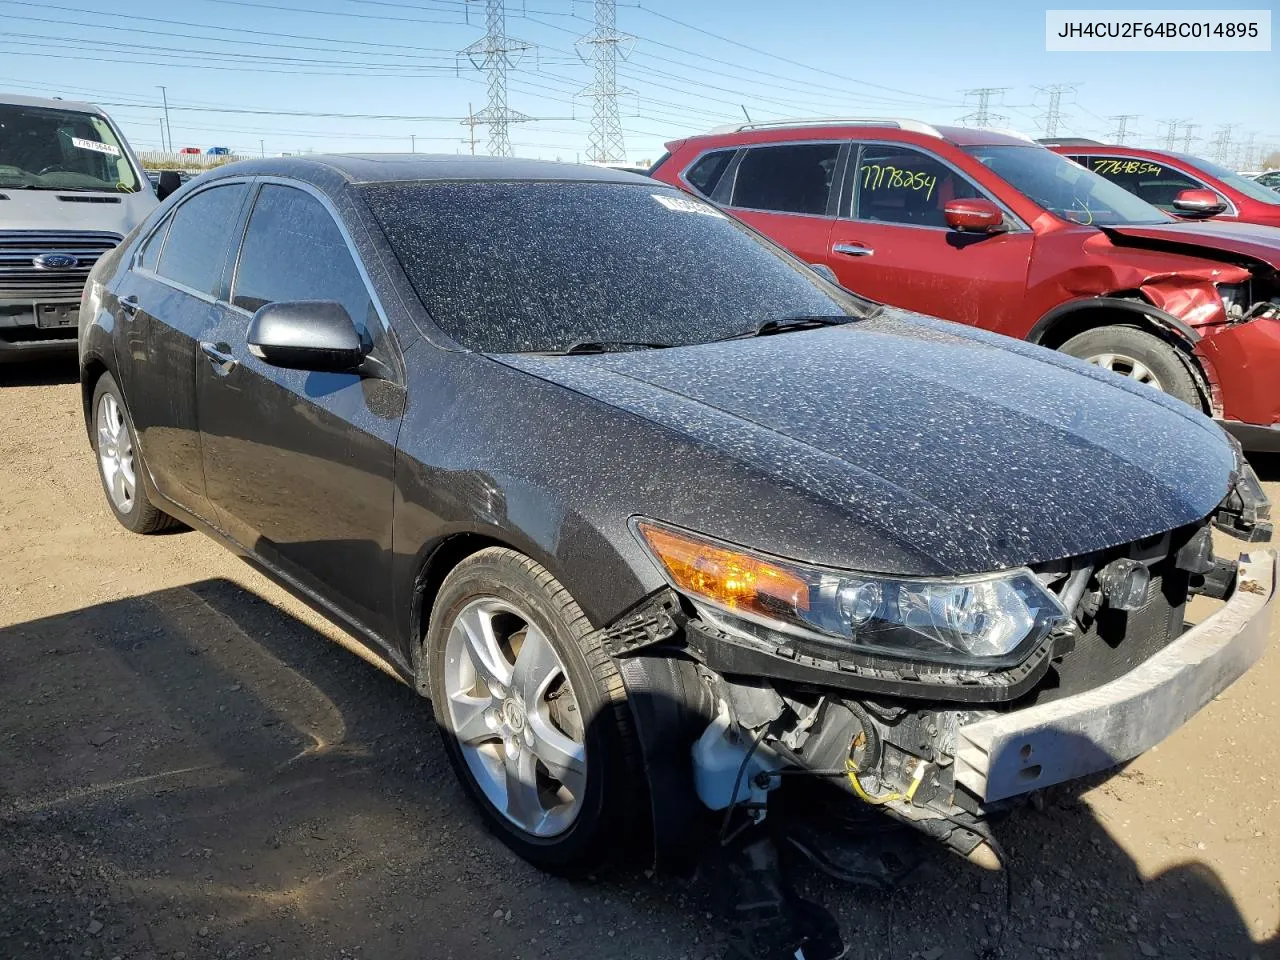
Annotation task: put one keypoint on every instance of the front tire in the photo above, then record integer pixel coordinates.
(1138, 355)
(120, 464)
(533, 714)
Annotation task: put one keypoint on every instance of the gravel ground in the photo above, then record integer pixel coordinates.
(196, 765)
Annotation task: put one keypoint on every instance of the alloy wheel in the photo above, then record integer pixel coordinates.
(1127, 366)
(515, 716)
(115, 453)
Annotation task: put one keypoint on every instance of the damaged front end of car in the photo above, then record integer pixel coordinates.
(939, 702)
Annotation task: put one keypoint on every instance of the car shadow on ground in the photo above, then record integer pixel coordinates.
(197, 772)
(40, 373)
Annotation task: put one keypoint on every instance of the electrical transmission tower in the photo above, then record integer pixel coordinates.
(494, 53)
(1222, 143)
(1187, 138)
(1171, 133)
(603, 46)
(1053, 115)
(982, 116)
(1244, 159)
(1122, 126)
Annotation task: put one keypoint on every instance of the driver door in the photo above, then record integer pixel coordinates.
(299, 464)
(891, 241)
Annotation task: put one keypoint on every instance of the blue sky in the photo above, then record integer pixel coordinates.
(692, 65)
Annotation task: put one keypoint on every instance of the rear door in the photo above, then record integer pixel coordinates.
(298, 463)
(891, 241)
(787, 192)
(165, 305)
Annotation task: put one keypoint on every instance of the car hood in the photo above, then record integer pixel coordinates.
(974, 450)
(1210, 238)
(60, 210)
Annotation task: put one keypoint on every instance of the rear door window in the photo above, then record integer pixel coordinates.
(293, 250)
(898, 184)
(707, 171)
(149, 252)
(1153, 181)
(788, 178)
(196, 247)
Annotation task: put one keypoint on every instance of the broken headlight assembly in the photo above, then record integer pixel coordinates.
(1235, 300)
(990, 620)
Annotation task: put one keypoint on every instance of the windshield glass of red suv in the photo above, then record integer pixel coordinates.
(1066, 189)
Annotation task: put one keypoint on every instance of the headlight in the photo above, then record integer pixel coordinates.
(987, 620)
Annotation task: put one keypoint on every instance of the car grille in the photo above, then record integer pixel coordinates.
(20, 279)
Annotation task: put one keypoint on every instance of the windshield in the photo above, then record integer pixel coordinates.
(513, 267)
(1066, 189)
(45, 149)
(1250, 188)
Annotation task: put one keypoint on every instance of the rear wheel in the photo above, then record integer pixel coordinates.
(120, 463)
(532, 713)
(1138, 355)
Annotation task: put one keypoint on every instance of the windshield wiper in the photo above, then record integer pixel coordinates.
(787, 324)
(605, 346)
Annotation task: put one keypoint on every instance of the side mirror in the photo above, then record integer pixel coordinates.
(1198, 203)
(306, 335)
(169, 183)
(974, 216)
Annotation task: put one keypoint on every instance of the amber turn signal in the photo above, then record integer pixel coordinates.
(722, 575)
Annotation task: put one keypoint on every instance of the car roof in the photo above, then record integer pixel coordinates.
(19, 100)
(908, 131)
(359, 168)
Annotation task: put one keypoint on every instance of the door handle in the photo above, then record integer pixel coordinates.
(218, 354)
(129, 304)
(852, 249)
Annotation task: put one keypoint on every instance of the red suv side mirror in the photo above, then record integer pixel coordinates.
(1198, 203)
(977, 215)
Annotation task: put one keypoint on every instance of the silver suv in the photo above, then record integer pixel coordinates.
(70, 189)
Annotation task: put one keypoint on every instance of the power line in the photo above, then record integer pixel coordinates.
(1171, 132)
(605, 43)
(492, 54)
(795, 63)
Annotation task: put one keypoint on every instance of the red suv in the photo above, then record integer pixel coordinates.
(995, 231)
(1177, 183)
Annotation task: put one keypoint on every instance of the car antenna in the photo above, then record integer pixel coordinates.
(745, 114)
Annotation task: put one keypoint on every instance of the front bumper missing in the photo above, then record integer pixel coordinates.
(1013, 753)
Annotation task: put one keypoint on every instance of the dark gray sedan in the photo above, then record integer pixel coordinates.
(653, 512)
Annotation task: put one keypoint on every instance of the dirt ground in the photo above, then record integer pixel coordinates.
(192, 765)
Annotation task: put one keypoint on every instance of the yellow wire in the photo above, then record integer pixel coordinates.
(851, 769)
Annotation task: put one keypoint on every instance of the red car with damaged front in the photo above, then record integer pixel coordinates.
(998, 232)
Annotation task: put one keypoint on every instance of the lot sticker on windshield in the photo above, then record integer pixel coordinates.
(684, 205)
(1125, 166)
(96, 146)
(874, 178)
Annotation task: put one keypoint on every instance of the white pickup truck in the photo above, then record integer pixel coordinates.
(70, 189)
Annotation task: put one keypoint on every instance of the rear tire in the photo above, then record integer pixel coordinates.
(120, 465)
(533, 715)
(1139, 355)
